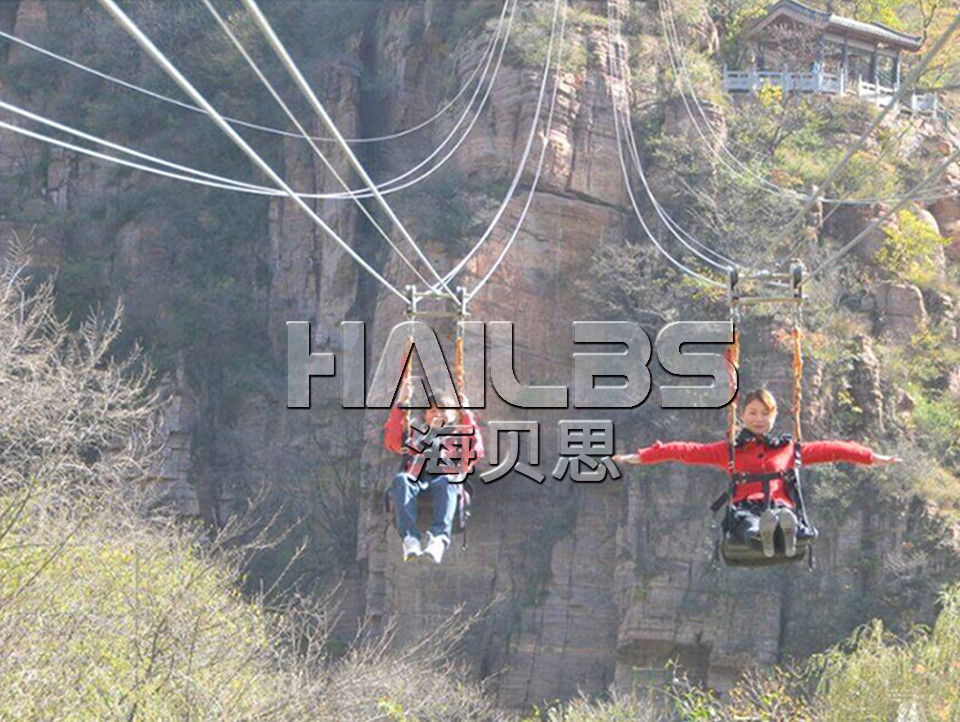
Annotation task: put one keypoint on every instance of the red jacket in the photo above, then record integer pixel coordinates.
(394, 428)
(756, 457)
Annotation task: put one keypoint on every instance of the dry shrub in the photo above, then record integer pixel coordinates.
(71, 415)
(379, 679)
(106, 613)
(614, 708)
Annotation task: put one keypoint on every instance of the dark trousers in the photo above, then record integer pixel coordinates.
(745, 522)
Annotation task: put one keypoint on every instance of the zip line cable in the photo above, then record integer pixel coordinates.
(254, 126)
(357, 193)
(221, 181)
(626, 174)
(127, 24)
(293, 119)
(171, 70)
(904, 201)
(686, 239)
(129, 164)
(619, 74)
(307, 91)
(543, 152)
(521, 164)
(225, 183)
(233, 184)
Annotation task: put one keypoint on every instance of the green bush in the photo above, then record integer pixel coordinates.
(111, 621)
(878, 677)
(872, 676)
(909, 249)
(937, 425)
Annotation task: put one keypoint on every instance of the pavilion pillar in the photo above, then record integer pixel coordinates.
(843, 66)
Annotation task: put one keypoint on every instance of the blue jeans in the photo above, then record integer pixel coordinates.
(444, 493)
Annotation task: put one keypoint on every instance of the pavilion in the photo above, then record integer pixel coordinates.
(800, 48)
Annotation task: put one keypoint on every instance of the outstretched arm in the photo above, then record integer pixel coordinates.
(687, 452)
(825, 452)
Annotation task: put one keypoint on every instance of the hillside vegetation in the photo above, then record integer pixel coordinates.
(110, 609)
(113, 608)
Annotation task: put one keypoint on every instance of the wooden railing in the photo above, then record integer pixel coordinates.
(924, 103)
(916, 102)
(830, 83)
(881, 95)
(819, 82)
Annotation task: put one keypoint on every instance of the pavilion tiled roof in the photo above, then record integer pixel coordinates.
(823, 20)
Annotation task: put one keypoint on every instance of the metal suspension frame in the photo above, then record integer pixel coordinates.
(791, 284)
(414, 312)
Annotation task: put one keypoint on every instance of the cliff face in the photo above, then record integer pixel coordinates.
(586, 585)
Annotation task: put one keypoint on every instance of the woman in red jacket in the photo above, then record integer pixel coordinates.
(412, 479)
(756, 452)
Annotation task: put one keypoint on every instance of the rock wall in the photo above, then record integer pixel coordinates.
(584, 586)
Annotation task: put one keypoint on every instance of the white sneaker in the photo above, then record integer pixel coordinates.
(768, 527)
(411, 548)
(788, 523)
(435, 547)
